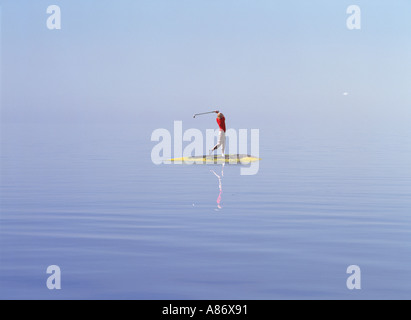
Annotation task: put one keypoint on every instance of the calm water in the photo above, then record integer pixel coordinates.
(88, 199)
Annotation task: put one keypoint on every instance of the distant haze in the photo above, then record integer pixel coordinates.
(152, 62)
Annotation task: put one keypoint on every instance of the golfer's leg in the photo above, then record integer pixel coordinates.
(222, 143)
(219, 142)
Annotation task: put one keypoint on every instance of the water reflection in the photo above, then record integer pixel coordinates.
(220, 187)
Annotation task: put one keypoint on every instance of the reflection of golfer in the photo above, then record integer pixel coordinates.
(221, 135)
(220, 186)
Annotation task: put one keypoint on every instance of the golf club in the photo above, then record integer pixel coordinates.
(199, 114)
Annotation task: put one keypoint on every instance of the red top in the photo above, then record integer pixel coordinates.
(221, 123)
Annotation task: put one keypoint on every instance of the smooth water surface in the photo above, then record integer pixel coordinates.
(88, 199)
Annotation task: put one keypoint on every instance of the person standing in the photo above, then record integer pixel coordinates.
(221, 135)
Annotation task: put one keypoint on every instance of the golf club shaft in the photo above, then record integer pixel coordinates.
(199, 114)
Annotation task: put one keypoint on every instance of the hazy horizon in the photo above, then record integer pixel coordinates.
(152, 62)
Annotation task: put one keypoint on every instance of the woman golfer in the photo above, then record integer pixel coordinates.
(221, 135)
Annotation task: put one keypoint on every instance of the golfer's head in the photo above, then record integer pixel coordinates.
(220, 115)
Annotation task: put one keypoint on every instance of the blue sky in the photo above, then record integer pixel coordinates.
(121, 61)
